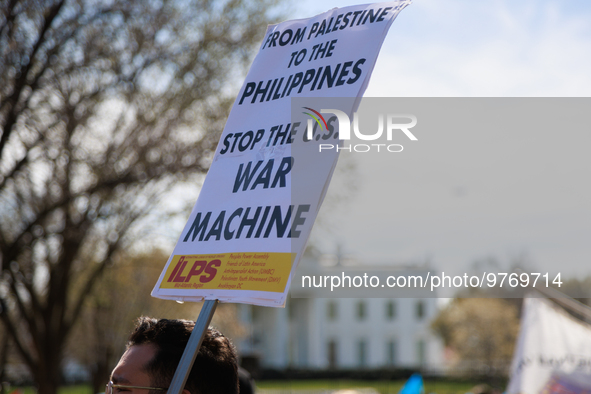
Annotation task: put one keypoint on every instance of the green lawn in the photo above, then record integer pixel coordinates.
(384, 387)
(64, 390)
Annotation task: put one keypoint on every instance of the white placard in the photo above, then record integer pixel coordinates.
(248, 228)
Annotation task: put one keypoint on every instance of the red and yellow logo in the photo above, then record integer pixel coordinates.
(229, 271)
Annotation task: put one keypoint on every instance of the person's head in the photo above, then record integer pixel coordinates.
(155, 348)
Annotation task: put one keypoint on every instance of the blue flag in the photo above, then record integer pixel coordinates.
(414, 385)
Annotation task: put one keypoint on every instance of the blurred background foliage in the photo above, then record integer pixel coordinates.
(98, 339)
(105, 107)
(480, 334)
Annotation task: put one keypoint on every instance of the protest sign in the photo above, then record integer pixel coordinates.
(552, 353)
(249, 226)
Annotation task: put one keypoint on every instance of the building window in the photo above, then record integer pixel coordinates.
(331, 310)
(332, 354)
(362, 353)
(255, 313)
(361, 310)
(390, 310)
(392, 348)
(291, 312)
(420, 310)
(256, 339)
(421, 352)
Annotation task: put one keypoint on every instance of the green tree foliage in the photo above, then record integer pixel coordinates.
(105, 105)
(481, 332)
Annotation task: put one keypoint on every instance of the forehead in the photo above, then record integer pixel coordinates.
(131, 367)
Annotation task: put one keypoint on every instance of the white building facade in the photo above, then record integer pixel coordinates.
(344, 333)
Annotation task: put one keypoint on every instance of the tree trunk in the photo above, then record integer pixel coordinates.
(47, 385)
(101, 372)
(48, 374)
(3, 360)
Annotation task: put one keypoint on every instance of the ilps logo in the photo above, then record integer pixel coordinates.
(394, 125)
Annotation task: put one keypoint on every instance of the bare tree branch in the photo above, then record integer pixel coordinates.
(103, 109)
(21, 82)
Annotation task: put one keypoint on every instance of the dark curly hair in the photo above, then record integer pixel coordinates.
(215, 370)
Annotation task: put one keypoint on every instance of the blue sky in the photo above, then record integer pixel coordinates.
(460, 48)
(482, 48)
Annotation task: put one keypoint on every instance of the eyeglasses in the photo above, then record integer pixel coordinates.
(110, 387)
